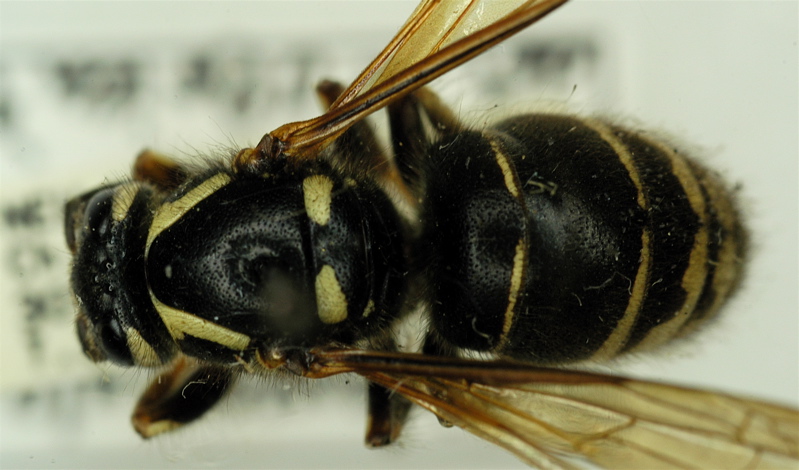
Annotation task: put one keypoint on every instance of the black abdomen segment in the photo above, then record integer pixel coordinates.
(558, 239)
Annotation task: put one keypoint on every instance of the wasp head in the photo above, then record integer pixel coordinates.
(106, 231)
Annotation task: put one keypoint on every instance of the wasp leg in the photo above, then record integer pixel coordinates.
(180, 395)
(387, 411)
(416, 120)
(360, 151)
(434, 345)
(159, 170)
(387, 415)
(358, 144)
(328, 91)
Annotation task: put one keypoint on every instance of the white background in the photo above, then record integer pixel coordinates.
(721, 75)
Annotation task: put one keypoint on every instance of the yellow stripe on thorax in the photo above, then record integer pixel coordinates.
(181, 323)
(170, 212)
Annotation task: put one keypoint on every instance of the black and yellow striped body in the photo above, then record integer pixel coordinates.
(545, 238)
(558, 239)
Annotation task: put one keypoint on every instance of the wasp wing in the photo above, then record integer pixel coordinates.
(543, 414)
(439, 36)
(432, 26)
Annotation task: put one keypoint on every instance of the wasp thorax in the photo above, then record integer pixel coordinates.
(292, 256)
(115, 321)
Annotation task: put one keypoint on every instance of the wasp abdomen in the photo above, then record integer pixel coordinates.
(558, 239)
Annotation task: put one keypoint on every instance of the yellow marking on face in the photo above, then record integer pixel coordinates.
(370, 307)
(318, 193)
(124, 194)
(507, 171)
(180, 324)
(330, 299)
(516, 277)
(170, 212)
(142, 352)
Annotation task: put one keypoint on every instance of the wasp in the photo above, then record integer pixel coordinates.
(540, 241)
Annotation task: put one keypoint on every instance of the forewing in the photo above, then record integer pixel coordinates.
(439, 36)
(431, 27)
(543, 414)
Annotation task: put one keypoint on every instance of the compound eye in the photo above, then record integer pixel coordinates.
(97, 218)
(85, 213)
(114, 343)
